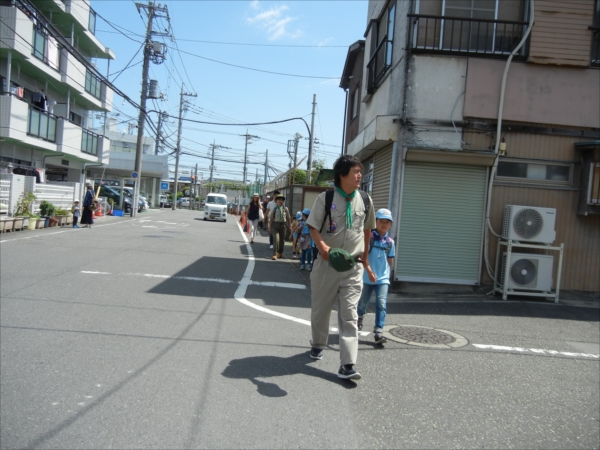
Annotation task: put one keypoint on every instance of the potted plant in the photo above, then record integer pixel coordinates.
(61, 216)
(23, 210)
(33, 222)
(47, 211)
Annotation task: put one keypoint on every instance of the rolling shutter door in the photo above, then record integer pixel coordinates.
(441, 223)
(381, 178)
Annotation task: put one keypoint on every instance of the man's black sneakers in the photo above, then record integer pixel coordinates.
(347, 372)
(316, 353)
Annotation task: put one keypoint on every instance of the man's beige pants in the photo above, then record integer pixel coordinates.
(327, 285)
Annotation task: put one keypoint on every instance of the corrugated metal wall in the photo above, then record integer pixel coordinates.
(580, 234)
(560, 34)
(381, 178)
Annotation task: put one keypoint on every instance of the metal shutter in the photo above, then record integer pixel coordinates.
(381, 178)
(441, 223)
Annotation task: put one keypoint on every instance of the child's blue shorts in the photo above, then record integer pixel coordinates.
(295, 235)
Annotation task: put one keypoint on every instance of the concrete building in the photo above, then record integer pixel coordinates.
(424, 104)
(121, 162)
(50, 87)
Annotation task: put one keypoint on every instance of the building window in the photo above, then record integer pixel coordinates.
(593, 193)
(535, 171)
(39, 44)
(382, 38)
(92, 22)
(89, 142)
(595, 60)
(93, 84)
(354, 104)
(367, 179)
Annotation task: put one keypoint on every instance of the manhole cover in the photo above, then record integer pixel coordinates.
(422, 335)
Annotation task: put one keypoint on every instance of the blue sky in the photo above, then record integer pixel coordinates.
(308, 38)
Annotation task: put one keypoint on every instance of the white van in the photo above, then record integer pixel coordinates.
(216, 207)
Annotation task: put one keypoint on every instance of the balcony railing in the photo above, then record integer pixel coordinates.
(41, 124)
(379, 64)
(450, 35)
(89, 142)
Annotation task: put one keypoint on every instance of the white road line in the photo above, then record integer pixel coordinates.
(206, 280)
(65, 231)
(537, 351)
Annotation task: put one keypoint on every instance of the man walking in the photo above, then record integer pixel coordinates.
(345, 231)
(272, 204)
(279, 222)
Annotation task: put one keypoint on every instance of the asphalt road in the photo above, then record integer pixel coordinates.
(165, 331)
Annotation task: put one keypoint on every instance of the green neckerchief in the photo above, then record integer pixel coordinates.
(348, 206)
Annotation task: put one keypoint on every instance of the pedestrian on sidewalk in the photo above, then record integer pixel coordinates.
(253, 214)
(88, 205)
(272, 204)
(279, 223)
(344, 238)
(263, 223)
(76, 210)
(305, 242)
(381, 257)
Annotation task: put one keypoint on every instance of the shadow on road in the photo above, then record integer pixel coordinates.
(255, 367)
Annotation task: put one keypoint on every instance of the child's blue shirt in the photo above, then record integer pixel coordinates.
(383, 248)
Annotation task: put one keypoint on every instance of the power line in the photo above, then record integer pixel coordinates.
(258, 70)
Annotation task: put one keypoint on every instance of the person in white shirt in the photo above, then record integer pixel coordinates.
(270, 207)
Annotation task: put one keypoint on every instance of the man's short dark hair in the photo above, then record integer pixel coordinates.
(342, 167)
(276, 193)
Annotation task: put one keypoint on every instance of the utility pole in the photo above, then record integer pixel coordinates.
(310, 140)
(266, 166)
(161, 117)
(178, 148)
(195, 184)
(212, 160)
(248, 138)
(149, 52)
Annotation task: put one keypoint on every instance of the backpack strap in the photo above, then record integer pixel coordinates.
(329, 201)
(387, 240)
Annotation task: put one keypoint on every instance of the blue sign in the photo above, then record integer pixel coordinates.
(164, 186)
(134, 174)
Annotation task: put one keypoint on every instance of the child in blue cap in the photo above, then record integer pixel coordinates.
(381, 257)
(305, 242)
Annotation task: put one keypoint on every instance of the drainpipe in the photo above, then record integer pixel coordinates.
(343, 152)
(8, 69)
(488, 224)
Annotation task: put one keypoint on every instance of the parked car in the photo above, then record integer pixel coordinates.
(164, 202)
(110, 193)
(142, 200)
(183, 202)
(216, 207)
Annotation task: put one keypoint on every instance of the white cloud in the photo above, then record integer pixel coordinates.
(324, 42)
(274, 21)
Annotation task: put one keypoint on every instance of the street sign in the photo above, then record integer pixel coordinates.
(134, 174)
(164, 186)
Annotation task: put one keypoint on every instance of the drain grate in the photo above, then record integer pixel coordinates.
(422, 335)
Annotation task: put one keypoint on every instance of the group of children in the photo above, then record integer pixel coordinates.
(382, 252)
(303, 246)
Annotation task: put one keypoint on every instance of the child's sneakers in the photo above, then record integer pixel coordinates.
(380, 338)
(359, 324)
(309, 267)
(301, 266)
(295, 256)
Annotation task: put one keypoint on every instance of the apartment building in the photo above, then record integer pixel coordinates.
(50, 89)
(424, 92)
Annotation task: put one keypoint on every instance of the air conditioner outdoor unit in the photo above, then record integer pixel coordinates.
(526, 271)
(529, 224)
